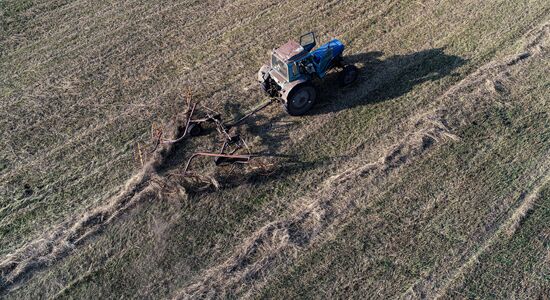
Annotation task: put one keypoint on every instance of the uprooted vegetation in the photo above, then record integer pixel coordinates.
(419, 181)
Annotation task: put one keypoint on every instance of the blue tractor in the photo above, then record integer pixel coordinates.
(294, 65)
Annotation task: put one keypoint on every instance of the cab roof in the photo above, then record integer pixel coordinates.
(290, 51)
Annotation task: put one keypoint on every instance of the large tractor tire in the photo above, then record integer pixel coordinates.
(300, 100)
(349, 75)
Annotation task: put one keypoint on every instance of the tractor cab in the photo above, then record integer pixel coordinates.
(294, 65)
(292, 51)
(286, 59)
(293, 60)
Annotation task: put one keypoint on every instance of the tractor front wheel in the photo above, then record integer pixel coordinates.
(349, 75)
(300, 100)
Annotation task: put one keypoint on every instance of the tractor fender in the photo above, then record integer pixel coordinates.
(287, 88)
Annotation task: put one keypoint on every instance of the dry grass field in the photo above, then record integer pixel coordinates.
(428, 178)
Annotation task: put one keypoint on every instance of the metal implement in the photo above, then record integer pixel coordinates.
(252, 112)
(193, 127)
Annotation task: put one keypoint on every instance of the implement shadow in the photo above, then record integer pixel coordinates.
(384, 79)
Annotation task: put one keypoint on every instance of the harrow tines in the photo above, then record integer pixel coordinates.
(232, 142)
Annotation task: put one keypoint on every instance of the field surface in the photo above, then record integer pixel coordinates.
(428, 178)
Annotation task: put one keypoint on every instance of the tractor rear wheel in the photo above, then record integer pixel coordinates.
(300, 100)
(349, 75)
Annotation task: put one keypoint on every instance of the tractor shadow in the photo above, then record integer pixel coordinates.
(383, 79)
